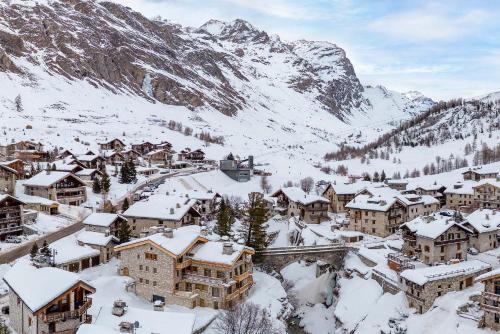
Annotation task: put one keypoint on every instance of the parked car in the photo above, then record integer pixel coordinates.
(13, 239)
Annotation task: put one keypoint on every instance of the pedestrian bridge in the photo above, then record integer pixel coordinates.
(280, 257)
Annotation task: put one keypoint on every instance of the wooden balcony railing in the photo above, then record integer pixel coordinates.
(490, 296)
(490, 308)
(241, 277)
(195, 278)
(61, 316)
(184, 264)
(452, 241)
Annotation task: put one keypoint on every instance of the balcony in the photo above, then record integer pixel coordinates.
(490, 296)
(418, 299)
(451, 241)
(11, 229)
(195, 278)
(184, 264)
(62, 316)
(490, 308)
(241, 277)
(241, 290)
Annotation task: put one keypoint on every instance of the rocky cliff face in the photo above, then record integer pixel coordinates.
(228, 67)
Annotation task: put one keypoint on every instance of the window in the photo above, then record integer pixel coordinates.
(150, 256)
(155, 270)
(442, 249)
(140, 267)
(220, 274)
(147, 268)
(140, 279)
(147, 281)
(215, 292)
(459, 246)
(207, 272)
(426, 248)
(154, 283)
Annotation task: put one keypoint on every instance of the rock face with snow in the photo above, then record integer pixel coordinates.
(228, 67)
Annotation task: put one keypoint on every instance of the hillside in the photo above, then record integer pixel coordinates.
(85, 70)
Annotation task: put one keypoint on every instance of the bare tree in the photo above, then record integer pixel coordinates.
(245, 318)
(307, 184)
(19, 103)
(265, 185)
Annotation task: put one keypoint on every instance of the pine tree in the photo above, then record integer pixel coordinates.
(254, 225)
(376, 177)
(124, 174)
(225, 218)
(382, 176)
(34, 251)
(96, 186)
(124, 232)
(105, 183)
(19, 103)
(45, 250)
(125, 205)
(132, 171)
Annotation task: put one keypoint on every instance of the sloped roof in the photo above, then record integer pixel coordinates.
(163, 207)
(102, 219)
(43, 179)
(484, 220)
(432, 226)
(296, 194)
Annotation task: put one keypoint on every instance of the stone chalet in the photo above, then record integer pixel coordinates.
(11, 216)
(490, 299)
(208, 201)
(194, 156)
(478, 174)
(423, 285)
(106, 223)
(89, 175)
(162, 210)
(485, 225)
(91, 161)
(397, 184)
(158, 157)
(62, 187)
(341, 194)
(25, 150)
(131, 155)
(18, 165)
(434, 190)
(73, 255)
(8, 177)
(46, 300)
(113, 157)
(102, 242)
(435, 239)
(143, 148)
(113, 145)
(376, 215)
(487, 194)
(460, 196)
(183, 267)
(62, 166)
(294, 202)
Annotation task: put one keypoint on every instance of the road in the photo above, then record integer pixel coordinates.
(24, 249)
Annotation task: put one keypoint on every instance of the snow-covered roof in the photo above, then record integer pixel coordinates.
(296, 194)
(493, 182)
(149, 322)
(348, 188)
(38, 287)
(163, 207)
(36, 200)
(8, 169)
(394, 181)
(432, 226)
(3, 197)
(482, 170)
(183, 237)
(43, 179)
(484, 220)
(428, 187)
(488, 275)
(201, 195)
(161, 150)
(87, 157)
(68, 250)
(461, 188)
(94, 238)
(211, 251)
(86, 172)
(102, 219)
(421, 276)
(374, 203)
(60, 165)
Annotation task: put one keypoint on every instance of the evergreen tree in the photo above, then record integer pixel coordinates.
(34, 251)
(132, 171)
(124, 232)
(125, 205)
(45, 250)
(225, 217)
(254, 225)
(124, 174)
(382, 176)
(105, 183)
(376, 177)
(96, 186)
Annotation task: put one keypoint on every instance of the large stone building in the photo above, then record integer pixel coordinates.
(295, 202)
(62, 187)
(341, 194)
(208, 202)
(490, 299)
(25, 150)
(46, 300)
(162, 210)
(183, 267)
(423, 285)
(460, 196)
(435, 239)
(487, 194)
(485, 225)
(11, 216)
(91, 161)
(113, 145)
(377, 215)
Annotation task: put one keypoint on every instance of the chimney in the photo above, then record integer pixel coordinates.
(204, 231)
(171, 211)
(227, 248)
(225, 238)
(250, 161)
(169, 233)
(487, 216)
(178, 206)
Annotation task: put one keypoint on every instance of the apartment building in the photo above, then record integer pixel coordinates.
(62, 187)
(490, 299)
(295, 202)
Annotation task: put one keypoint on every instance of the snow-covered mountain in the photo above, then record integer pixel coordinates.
(90, 68)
